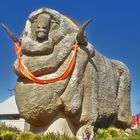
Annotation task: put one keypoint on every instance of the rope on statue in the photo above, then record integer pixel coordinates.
(27, 73)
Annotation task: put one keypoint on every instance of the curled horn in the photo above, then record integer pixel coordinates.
(81, 38)
(13, 37)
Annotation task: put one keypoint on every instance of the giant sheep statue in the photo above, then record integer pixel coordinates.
(94, 94)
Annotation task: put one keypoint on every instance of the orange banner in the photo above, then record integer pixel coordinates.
(27, 73)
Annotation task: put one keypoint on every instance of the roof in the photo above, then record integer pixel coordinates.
(9, 106)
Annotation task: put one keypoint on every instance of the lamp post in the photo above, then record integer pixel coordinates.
(11, 91)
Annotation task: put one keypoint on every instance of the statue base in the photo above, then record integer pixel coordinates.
(59, 125)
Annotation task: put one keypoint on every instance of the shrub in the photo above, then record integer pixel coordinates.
(39, 137)
(118, 134)
(111, 134)
(4, 128)
(135, 135)
(103, 134)
(9, 135)
(26, 136)
(54, 136)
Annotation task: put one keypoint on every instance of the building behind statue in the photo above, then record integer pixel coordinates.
(9, 115)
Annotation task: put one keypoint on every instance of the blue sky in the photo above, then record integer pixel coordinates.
(115, 32)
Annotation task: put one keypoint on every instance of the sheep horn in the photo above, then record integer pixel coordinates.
(81, 38)
(13, 37)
